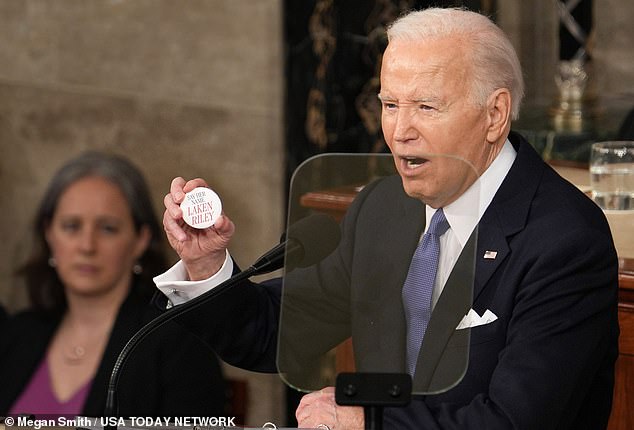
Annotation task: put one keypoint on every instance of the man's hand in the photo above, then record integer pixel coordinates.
(202, 251)
(319, 410)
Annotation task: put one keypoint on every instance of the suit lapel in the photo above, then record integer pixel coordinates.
(28, 346)
(491, 251)
(508, 211)
(505, 216)
(454, 302)
(129, 319)
(401, 235)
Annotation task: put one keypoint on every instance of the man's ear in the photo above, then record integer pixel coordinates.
(498, 114)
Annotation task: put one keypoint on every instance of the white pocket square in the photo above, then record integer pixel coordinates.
(472, 319)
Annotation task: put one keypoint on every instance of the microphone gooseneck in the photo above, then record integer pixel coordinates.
(308, 241)
(305, 243)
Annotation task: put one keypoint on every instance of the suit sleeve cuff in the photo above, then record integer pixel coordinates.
(178, 289)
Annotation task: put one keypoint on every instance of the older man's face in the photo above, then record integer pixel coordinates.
(437, 135)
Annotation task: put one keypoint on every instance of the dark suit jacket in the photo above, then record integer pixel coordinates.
(547, 362)
(171, 373)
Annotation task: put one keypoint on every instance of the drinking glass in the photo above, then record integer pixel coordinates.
(612, 174)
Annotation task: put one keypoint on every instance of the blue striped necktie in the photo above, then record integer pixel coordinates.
(418, 287)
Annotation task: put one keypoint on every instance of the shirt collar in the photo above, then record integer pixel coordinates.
(460, 214)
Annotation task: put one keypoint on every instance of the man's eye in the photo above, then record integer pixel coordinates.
(423, 106)
(389, 105)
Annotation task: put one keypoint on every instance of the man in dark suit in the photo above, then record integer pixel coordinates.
(540, 325)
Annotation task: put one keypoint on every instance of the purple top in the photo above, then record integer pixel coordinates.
(38, 397)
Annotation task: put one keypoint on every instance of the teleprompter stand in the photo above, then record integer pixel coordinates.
(373, 391)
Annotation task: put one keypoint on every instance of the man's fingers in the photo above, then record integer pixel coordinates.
(179, 187)
(224, 226)
(172, 207)
(316, 408)
(176, 190)
(194, 183)
(172, 227)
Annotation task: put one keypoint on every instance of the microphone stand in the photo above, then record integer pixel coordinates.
(320, 231)
(266, 263)
(373, 391)
(111, 408)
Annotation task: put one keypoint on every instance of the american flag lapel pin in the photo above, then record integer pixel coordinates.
(490, 255)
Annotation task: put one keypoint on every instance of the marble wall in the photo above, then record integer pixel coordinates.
(182, 88)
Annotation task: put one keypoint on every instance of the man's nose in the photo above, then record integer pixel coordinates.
(404, 130)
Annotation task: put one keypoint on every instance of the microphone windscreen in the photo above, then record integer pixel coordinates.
(313, 237)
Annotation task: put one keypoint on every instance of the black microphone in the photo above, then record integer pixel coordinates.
(307, 242)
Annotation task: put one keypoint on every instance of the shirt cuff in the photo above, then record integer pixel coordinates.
(178, 290)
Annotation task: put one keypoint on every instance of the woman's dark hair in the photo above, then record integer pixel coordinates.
(45, 289)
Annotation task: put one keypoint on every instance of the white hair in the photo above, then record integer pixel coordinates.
(494, 60)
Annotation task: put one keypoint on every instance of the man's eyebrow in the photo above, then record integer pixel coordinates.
(425, 99)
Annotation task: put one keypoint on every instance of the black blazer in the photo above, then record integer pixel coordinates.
(547, 362)
(171, 373)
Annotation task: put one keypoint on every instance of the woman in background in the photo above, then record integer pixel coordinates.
(89, 279)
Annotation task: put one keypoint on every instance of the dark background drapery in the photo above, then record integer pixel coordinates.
(333, 54)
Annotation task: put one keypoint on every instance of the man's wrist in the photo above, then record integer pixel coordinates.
(174, 283)
(205, 268)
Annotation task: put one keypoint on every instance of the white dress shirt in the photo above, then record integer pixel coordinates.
(462, 217)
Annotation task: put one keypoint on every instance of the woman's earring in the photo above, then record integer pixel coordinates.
(137, 269)
(52, 262)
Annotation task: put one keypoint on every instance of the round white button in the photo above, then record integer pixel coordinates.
(201, 207)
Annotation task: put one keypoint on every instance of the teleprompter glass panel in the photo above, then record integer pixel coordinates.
(342, 300)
